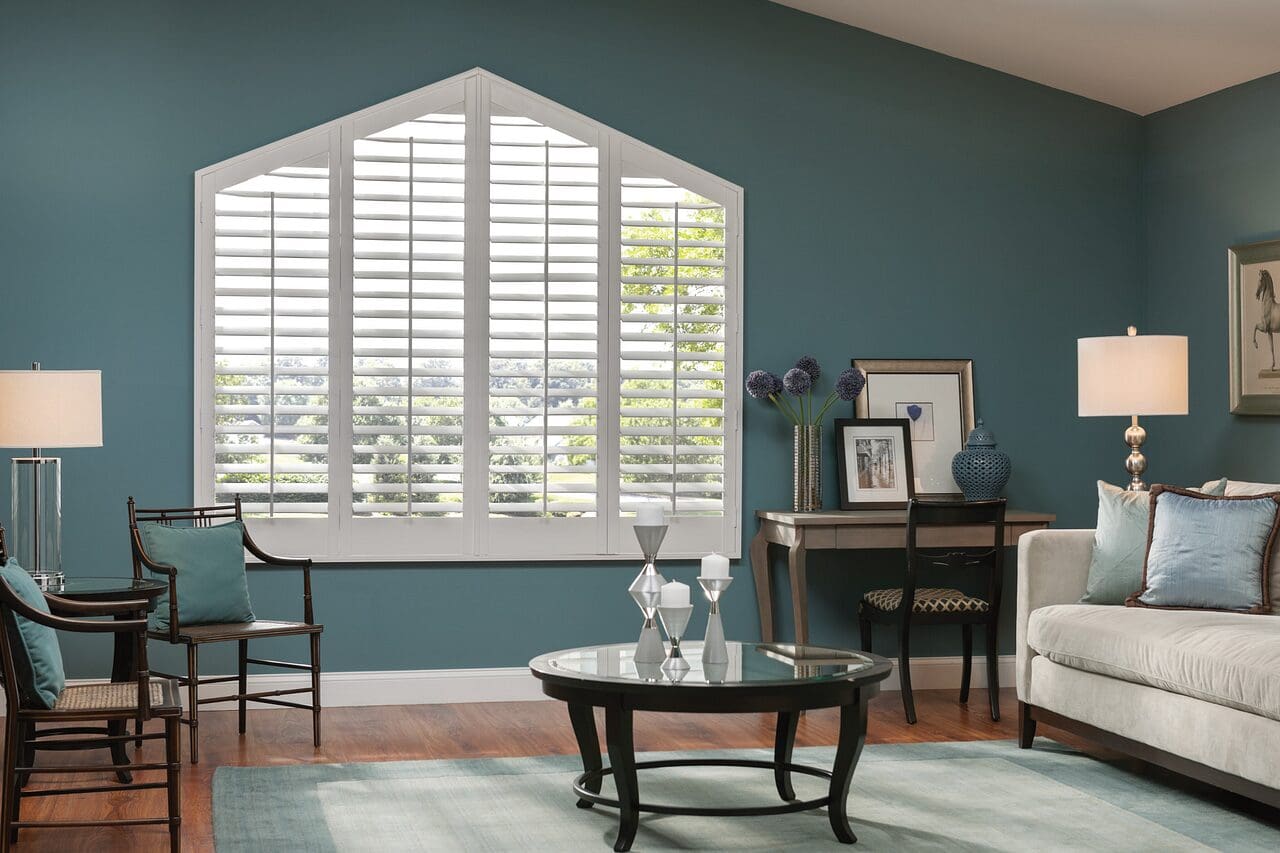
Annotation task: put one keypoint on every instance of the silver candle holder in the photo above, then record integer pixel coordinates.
(675, 619)
(715, 650)
(646, 590)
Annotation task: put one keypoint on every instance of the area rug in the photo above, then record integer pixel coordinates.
(988, 796)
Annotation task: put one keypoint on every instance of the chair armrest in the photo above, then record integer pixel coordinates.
(1053, 568)
(303, 563)
(67, 607)
(171, 572)
(63, 623)
(270, 559)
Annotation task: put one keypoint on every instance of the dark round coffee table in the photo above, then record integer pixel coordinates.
(775, 678)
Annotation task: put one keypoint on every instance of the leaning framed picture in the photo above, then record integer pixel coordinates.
(874, 458)
(936, 397)
(1253, 274)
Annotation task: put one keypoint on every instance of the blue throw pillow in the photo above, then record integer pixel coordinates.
(212, 587)
(1120, 542)
(1208, 553)
(44, 678)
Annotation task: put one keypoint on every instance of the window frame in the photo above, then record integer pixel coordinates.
(476, 536)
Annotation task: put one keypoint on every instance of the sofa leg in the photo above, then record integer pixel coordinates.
(1026, 726)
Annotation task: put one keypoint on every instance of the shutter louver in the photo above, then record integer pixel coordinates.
(543, 320)
(271, 344)
(672, 348)
(407, 358)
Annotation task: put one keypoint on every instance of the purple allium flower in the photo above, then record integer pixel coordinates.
(809, 365)
(850, 384)
(797, 381)
(762, 384)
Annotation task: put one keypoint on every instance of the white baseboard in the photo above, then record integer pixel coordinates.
(515, 684)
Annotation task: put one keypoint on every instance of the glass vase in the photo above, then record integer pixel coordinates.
(806, 448)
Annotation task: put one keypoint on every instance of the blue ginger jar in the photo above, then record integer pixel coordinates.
(980, 470)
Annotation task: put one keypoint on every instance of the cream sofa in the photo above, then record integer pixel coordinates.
(1197, 692)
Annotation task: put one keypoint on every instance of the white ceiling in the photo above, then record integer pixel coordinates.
(1140, 55)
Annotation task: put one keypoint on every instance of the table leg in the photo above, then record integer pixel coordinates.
(764, 588)
(853, 736)
(799, 589)
(783, 743)
(124, 667)
(622, 758)
(584, 729)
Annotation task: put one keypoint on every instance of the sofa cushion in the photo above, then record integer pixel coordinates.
(1209, 553)
(1120, 542)
(1244, 487)
(1230, 659)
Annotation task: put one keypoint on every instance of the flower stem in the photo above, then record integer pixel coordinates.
(785, 408)
(831, 398)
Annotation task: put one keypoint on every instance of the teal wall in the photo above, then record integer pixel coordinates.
(1211, 179)
(899, 203)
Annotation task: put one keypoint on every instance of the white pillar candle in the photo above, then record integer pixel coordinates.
(715, 566)
(650, 515)
(675, 594)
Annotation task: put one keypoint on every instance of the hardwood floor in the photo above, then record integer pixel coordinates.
(397, 733)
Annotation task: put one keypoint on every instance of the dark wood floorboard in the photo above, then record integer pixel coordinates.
(412, 732)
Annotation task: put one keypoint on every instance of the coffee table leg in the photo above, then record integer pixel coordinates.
(853, 736)
(584, 729)
(622, 758)
(783, 743)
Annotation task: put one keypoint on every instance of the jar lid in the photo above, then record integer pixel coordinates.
(981, 437)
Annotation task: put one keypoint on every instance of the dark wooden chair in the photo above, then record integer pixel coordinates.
(943, 605)
(195, 636)
(113, 702)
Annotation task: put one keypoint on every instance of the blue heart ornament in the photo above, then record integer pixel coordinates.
(914, 411)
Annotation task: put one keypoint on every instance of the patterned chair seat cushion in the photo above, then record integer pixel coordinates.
(928, 600)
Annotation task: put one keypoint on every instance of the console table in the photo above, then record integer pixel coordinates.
(801, 532)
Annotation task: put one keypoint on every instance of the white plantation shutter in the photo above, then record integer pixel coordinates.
(271, 341)
(672, 347)
(468, 323)
(408, 233)
(543, 319)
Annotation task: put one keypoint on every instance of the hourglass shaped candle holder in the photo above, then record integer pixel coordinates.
(646, 590)
(714, 648)
(675, 619)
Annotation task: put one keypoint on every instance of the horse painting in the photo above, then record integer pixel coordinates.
(1270, 322)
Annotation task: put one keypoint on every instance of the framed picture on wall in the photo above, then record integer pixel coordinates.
(935, 397)
(874, 459)
(1254, 275)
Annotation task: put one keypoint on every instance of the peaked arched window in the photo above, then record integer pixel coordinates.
(468, 323)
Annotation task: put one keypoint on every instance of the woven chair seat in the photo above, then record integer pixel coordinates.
(927, 600)
(107, 696)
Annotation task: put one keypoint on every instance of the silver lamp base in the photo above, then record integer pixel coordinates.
(1135, 436)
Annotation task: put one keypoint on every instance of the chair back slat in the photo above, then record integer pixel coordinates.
(984, 557)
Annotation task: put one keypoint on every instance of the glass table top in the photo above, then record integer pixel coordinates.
(748, 664)
(119, 587)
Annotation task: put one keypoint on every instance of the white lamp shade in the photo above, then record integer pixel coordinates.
(1132, 375)
(50, 408)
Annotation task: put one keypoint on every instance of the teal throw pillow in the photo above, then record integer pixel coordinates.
(1208, 553)
(212, 587)
(1120, 542)
(38, 657)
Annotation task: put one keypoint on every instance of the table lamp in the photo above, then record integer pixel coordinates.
(1133, 375)
(45, 408)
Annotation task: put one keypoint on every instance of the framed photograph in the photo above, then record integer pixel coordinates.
(935, 397)
(1254, 275)
(874, 458)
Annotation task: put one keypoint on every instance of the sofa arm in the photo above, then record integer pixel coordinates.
(1053, 568)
